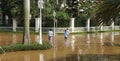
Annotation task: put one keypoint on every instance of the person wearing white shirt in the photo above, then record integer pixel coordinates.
(50, 34)
(66, 33)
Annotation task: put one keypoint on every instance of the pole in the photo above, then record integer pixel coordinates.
(54, 25)
(40, 28)
(54, 21)
(40, 5)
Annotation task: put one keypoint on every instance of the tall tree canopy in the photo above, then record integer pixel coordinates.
(107, 10)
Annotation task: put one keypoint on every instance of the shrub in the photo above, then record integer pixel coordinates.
(22, 47)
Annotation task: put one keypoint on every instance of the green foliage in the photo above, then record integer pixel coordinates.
(81, 20)
(88, 7)
(34, 10)
(72, 8)
(48, 11)
(22, 47)
(107, 10)
(62, 15)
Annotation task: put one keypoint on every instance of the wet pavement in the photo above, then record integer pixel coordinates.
(80, 47)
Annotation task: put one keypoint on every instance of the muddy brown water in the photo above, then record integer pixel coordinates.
(80, 47)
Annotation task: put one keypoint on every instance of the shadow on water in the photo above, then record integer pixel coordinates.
(89, 57)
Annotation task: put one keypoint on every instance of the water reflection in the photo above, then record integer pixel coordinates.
(54, 49)
(26, 58)
(102, 49)
(83, 47)
(2, 56)
(14, 39)
(101, 38)
(54, 54)
(112, 38)
(88, 38)
(117, 33)
(73, 42)
(67, 42)
(90, 57)
(41, 57)
(36, 38)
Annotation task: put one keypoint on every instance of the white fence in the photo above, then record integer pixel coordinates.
(61, 29)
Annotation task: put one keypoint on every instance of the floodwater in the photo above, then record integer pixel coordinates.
(80, 47)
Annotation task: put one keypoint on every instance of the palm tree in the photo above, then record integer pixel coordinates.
(107, 10)
(87, 8)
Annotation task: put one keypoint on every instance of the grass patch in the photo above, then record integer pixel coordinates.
(22, 47)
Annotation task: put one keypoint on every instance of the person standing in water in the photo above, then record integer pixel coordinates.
(66, 34)
(50, 34)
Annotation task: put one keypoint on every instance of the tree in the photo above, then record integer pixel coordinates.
(87, 8)
(34, 10)
(50, 7)
(5, 10)
(72, 8)
(107, 10)
(26, 35)
(15, 7)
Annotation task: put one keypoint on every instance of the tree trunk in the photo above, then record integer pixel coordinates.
(14, 24)
(88, 25)
(72, 25)
(36, 24)
(3, 19)
(26, 34)
(112, 25)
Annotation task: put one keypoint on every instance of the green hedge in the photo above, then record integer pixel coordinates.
(22, 47)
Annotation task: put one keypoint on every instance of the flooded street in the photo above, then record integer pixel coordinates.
(80, 47)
